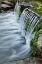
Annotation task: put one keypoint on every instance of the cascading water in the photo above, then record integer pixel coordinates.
(31, 17)
(14, 40)
(17, 9)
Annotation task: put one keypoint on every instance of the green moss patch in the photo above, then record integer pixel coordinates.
(19, 13)
(15, 1)
(38, 26)
(37, 7)
(36, 51)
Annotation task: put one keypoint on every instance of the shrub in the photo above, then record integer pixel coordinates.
(37, 7)
(35, 51)
(38, 26)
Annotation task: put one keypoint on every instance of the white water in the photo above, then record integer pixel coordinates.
(14, 40)
(12, 44)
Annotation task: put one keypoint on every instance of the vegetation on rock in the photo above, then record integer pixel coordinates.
(37, 30)
(36, 51)
(37, 7)
(15, 1)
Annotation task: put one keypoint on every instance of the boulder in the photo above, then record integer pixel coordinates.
(5, 7)
(39, 42)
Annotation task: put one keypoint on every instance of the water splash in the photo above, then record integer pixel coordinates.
(17, 9)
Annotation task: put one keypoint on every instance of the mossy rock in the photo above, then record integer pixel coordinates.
(36, 51)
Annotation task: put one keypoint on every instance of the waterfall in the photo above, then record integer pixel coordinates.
(17, 9)
(31, 17)
(14, 39)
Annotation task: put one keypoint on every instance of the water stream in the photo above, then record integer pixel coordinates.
(14, 40)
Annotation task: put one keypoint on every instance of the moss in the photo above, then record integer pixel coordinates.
(33, 42)
(19, 13)
(14, 1)
(38, 26)
(37, 7)
(35, 51)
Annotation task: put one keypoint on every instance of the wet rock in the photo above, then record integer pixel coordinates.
(7, 2)
(25, 61)
(25, 5)
(6, 5)
(39, 42)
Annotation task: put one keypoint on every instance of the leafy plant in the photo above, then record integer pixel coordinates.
(36, 51)
(38, 26)
(37, 7)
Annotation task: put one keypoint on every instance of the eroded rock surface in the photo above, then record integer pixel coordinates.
(39, 42)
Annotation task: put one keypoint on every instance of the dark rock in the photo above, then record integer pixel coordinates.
(8, 3)
(0, 10)
(19, 1)
(6, 7)
(23, 6)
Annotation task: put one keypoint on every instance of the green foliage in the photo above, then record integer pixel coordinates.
(15, 1)
(19, 13)
(37, 7)
(36, 52)
(33, 43)
(26, 0)
(31, 0)
(38, 26)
